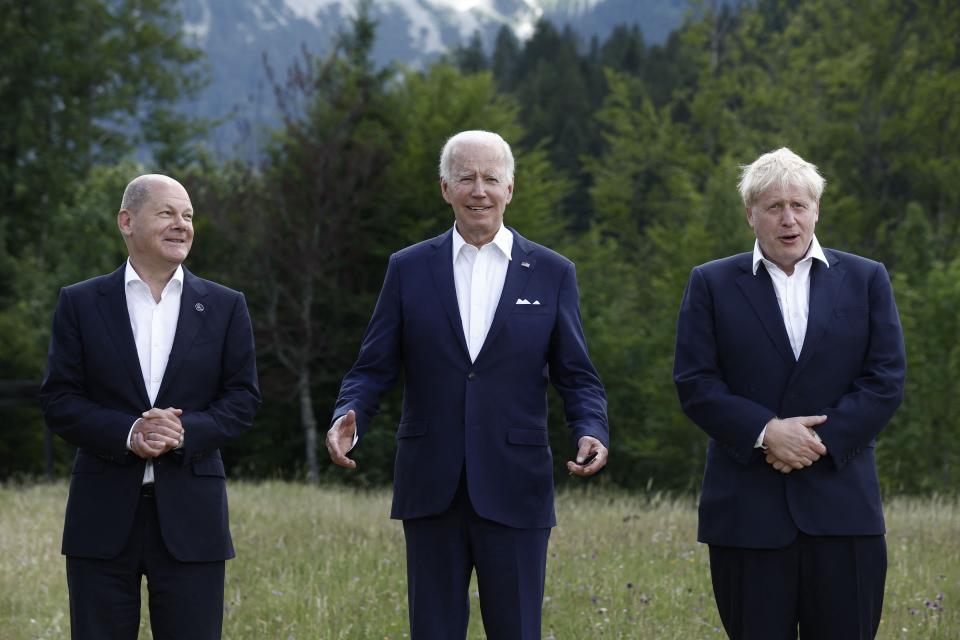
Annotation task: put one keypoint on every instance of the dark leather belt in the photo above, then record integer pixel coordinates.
(146, 490)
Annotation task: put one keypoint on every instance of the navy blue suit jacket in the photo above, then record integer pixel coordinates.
(93, 391)
(734, 370)
(490, 415)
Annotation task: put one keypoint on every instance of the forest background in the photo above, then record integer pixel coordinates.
(627, 162)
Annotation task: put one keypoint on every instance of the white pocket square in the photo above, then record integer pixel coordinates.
(523, 301)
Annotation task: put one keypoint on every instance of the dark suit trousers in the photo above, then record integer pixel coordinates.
(442, 552)
(185, 598)
(831, 587)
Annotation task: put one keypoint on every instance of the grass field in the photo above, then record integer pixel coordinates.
(327, 563)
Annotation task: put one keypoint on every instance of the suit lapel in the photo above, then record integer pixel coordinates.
(518, 273)
(193, 310)
(440, 264)
(759, 291)
(824, 290)
(116, 319)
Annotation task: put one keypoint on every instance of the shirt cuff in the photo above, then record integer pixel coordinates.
(759, 444)
(130, 433)
(356, 435)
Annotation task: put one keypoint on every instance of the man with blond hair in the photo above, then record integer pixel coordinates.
(791, 359)
(479, 320)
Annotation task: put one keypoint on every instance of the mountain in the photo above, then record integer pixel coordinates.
(238, 36)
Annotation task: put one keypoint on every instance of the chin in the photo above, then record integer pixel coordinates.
(176, 258)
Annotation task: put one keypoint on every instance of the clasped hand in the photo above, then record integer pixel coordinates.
(157, 432)
(792, 444)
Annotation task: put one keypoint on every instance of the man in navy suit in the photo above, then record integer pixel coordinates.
(791, 358)
(151, 370)
(479, 320)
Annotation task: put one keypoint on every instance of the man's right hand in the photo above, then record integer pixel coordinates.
(340, 439)
(791, 444)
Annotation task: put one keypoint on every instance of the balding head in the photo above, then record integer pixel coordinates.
(139, 189)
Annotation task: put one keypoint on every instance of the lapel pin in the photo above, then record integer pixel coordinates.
(525, 265)
(198, 307)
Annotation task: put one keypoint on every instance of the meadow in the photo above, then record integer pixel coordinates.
(327, 563)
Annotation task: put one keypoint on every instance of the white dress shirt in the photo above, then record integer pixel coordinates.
(154, 326)
(793, 295)
(478, 275)
(793, 291)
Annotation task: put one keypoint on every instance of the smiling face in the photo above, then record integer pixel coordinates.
(479, 191)
(783, 220)
(159, 233)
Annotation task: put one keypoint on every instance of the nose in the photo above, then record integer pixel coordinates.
(479, 189)
(788, 218)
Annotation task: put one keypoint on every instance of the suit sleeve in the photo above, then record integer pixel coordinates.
(860, 414)
(231, 412)
(571, 371)
(67, 408)
(733, 421)
(378, 363)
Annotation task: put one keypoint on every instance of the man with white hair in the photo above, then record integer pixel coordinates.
(791, 359)
(151, 371)
(478, 319)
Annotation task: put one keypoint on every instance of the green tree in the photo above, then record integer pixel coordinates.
(311, 212)
(657, 214)
(81, 82)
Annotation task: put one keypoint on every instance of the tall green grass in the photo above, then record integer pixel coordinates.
(328, 563)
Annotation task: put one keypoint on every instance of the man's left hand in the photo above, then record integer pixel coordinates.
(591, 457)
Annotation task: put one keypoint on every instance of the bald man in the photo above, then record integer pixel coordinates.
(151, 370)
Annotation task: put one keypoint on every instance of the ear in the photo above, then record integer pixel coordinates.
(125, 222)
(444, 187)
(509, 192)
(749, 212)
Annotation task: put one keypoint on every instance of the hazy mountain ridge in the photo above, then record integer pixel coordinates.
(236, 35)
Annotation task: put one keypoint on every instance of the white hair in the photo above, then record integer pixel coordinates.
(476, 137)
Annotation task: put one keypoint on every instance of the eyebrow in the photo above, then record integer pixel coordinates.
(482, 172)
(169, 207)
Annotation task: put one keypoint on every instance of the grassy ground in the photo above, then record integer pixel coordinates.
(327, 563)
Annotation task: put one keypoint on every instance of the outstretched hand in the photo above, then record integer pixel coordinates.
(591, 457)
(340, 439)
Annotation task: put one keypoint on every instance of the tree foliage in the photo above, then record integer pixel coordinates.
(627, 162)
(81, 84)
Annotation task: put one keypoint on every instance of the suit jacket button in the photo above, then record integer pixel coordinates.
(471, 375)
